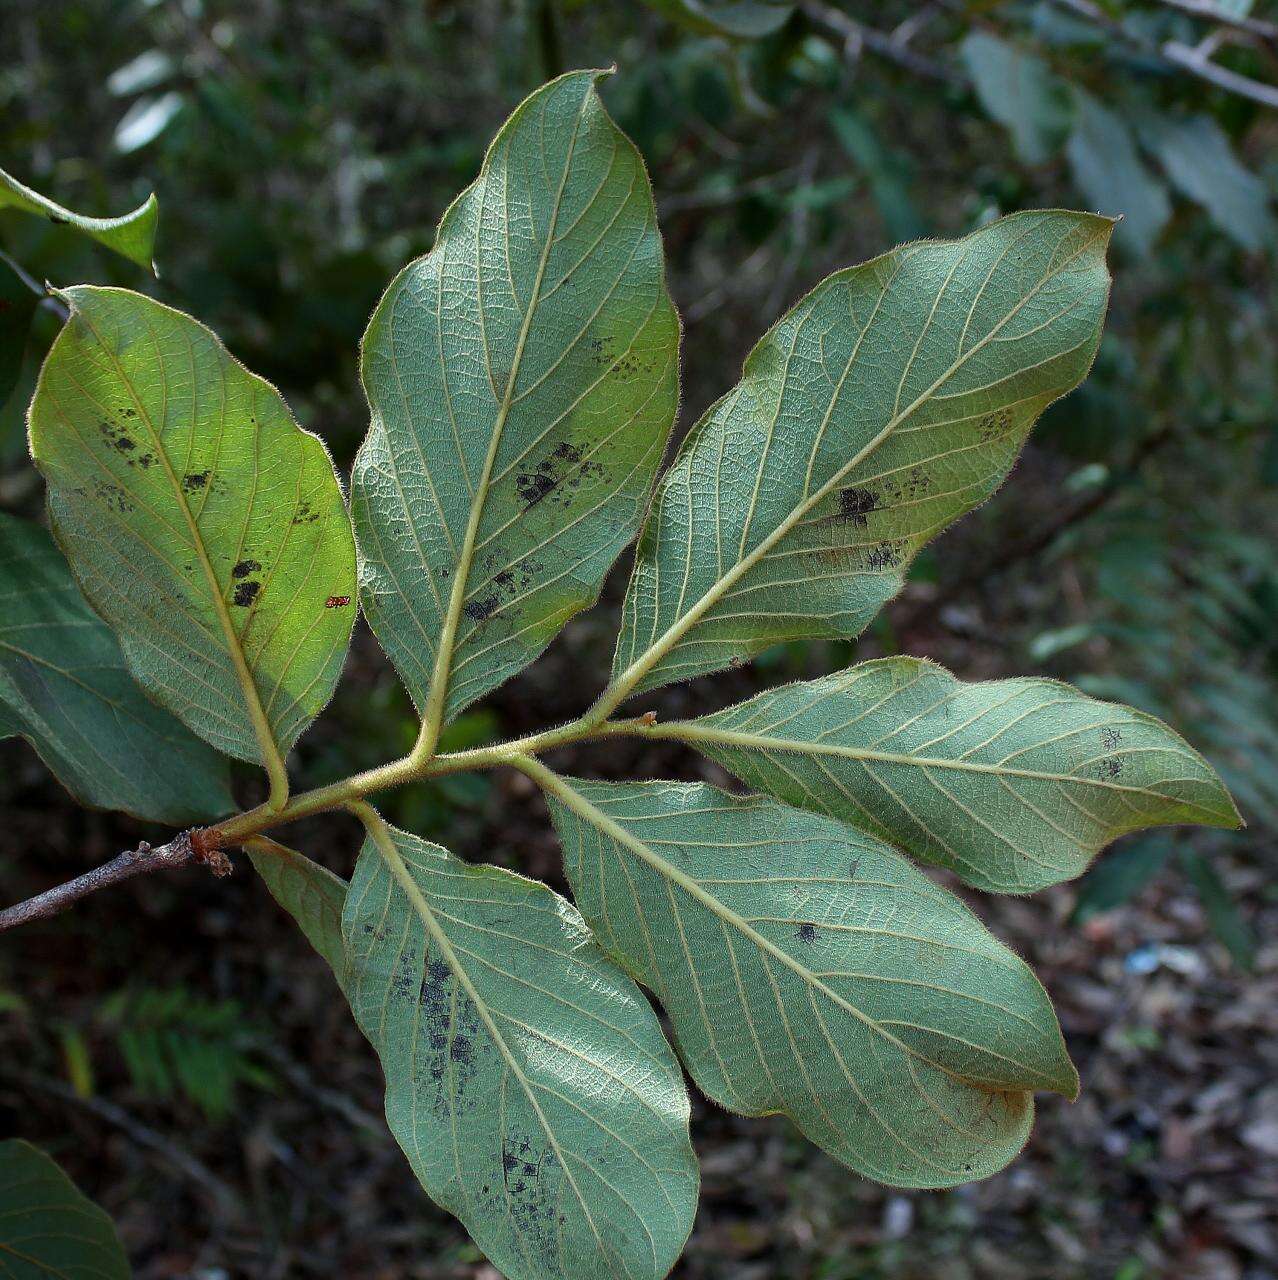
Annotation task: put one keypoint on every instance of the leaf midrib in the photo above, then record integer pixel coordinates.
(432, 720)
(642, 665)
(584, 808)
(248, 686)
(763, 742)
(389, 851)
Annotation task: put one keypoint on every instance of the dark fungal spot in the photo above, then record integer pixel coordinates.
(193, 481)
(533, 486)
(1110, 767)
(807, 932)
(480, 610)
(562, 467)
(244, 568)
(884, 556)
(245, 593)
(305, 514)
(337, 602)
(1110, 737)
(994, 425)
(855, 504)
(128, 411)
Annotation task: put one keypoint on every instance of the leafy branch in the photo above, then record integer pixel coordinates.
(522, 380)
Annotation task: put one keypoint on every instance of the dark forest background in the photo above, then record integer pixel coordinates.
(176, 1045)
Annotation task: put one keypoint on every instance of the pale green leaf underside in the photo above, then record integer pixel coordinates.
(64, 686)
(48, 1228)
(1013, 784)
(891, 400)
(809, 969)
(311, 894)
(527, 1079)
(204, 525)
(132, 235)
(523, 378)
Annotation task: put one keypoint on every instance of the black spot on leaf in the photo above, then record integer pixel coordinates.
(245, 593)
(244, 568)
(855, 504)
(194, 481)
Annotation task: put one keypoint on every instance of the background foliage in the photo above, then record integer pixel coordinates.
(302, 153)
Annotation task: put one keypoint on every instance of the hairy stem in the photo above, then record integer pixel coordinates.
(205, 845)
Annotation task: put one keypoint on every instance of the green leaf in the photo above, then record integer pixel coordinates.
(527, 1079)
(47, 1227)
(1115, 880)
(740, 19)
(204, 525)
(891, 400)
(311, 894)
(1019, 91)
(809, 969)
(132, 236)
(1110, 173)
(17, 306)
(64, 686)
(523, 378)
(1012, 784)
(1222, 911)
(1197, 157)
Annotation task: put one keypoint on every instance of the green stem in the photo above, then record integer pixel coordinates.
(410, 768)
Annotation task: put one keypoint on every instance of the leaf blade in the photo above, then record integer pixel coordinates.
(310, 893)
(132, 235)
(827, 459)
(902, 1087)
(65, 688)
(1012, 784)
(229, 569)
(506, 1021)
(48, 1227)
(506, 468)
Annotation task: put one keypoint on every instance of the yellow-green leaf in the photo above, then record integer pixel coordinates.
(132, 235)
(203, 523)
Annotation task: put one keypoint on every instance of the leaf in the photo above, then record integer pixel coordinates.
(527, 1079)
(17, 306)
(1012, 784)
(311, 894)
(132, 236)
(809, 969)
(1222, 911)
(1196, 155)
(47, 1227)
(64, 686)
(891, 400)
(523, 378)
(203, 524)
(1116, 879)
(1019, 91)
(1110, 173)
(741, 19)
